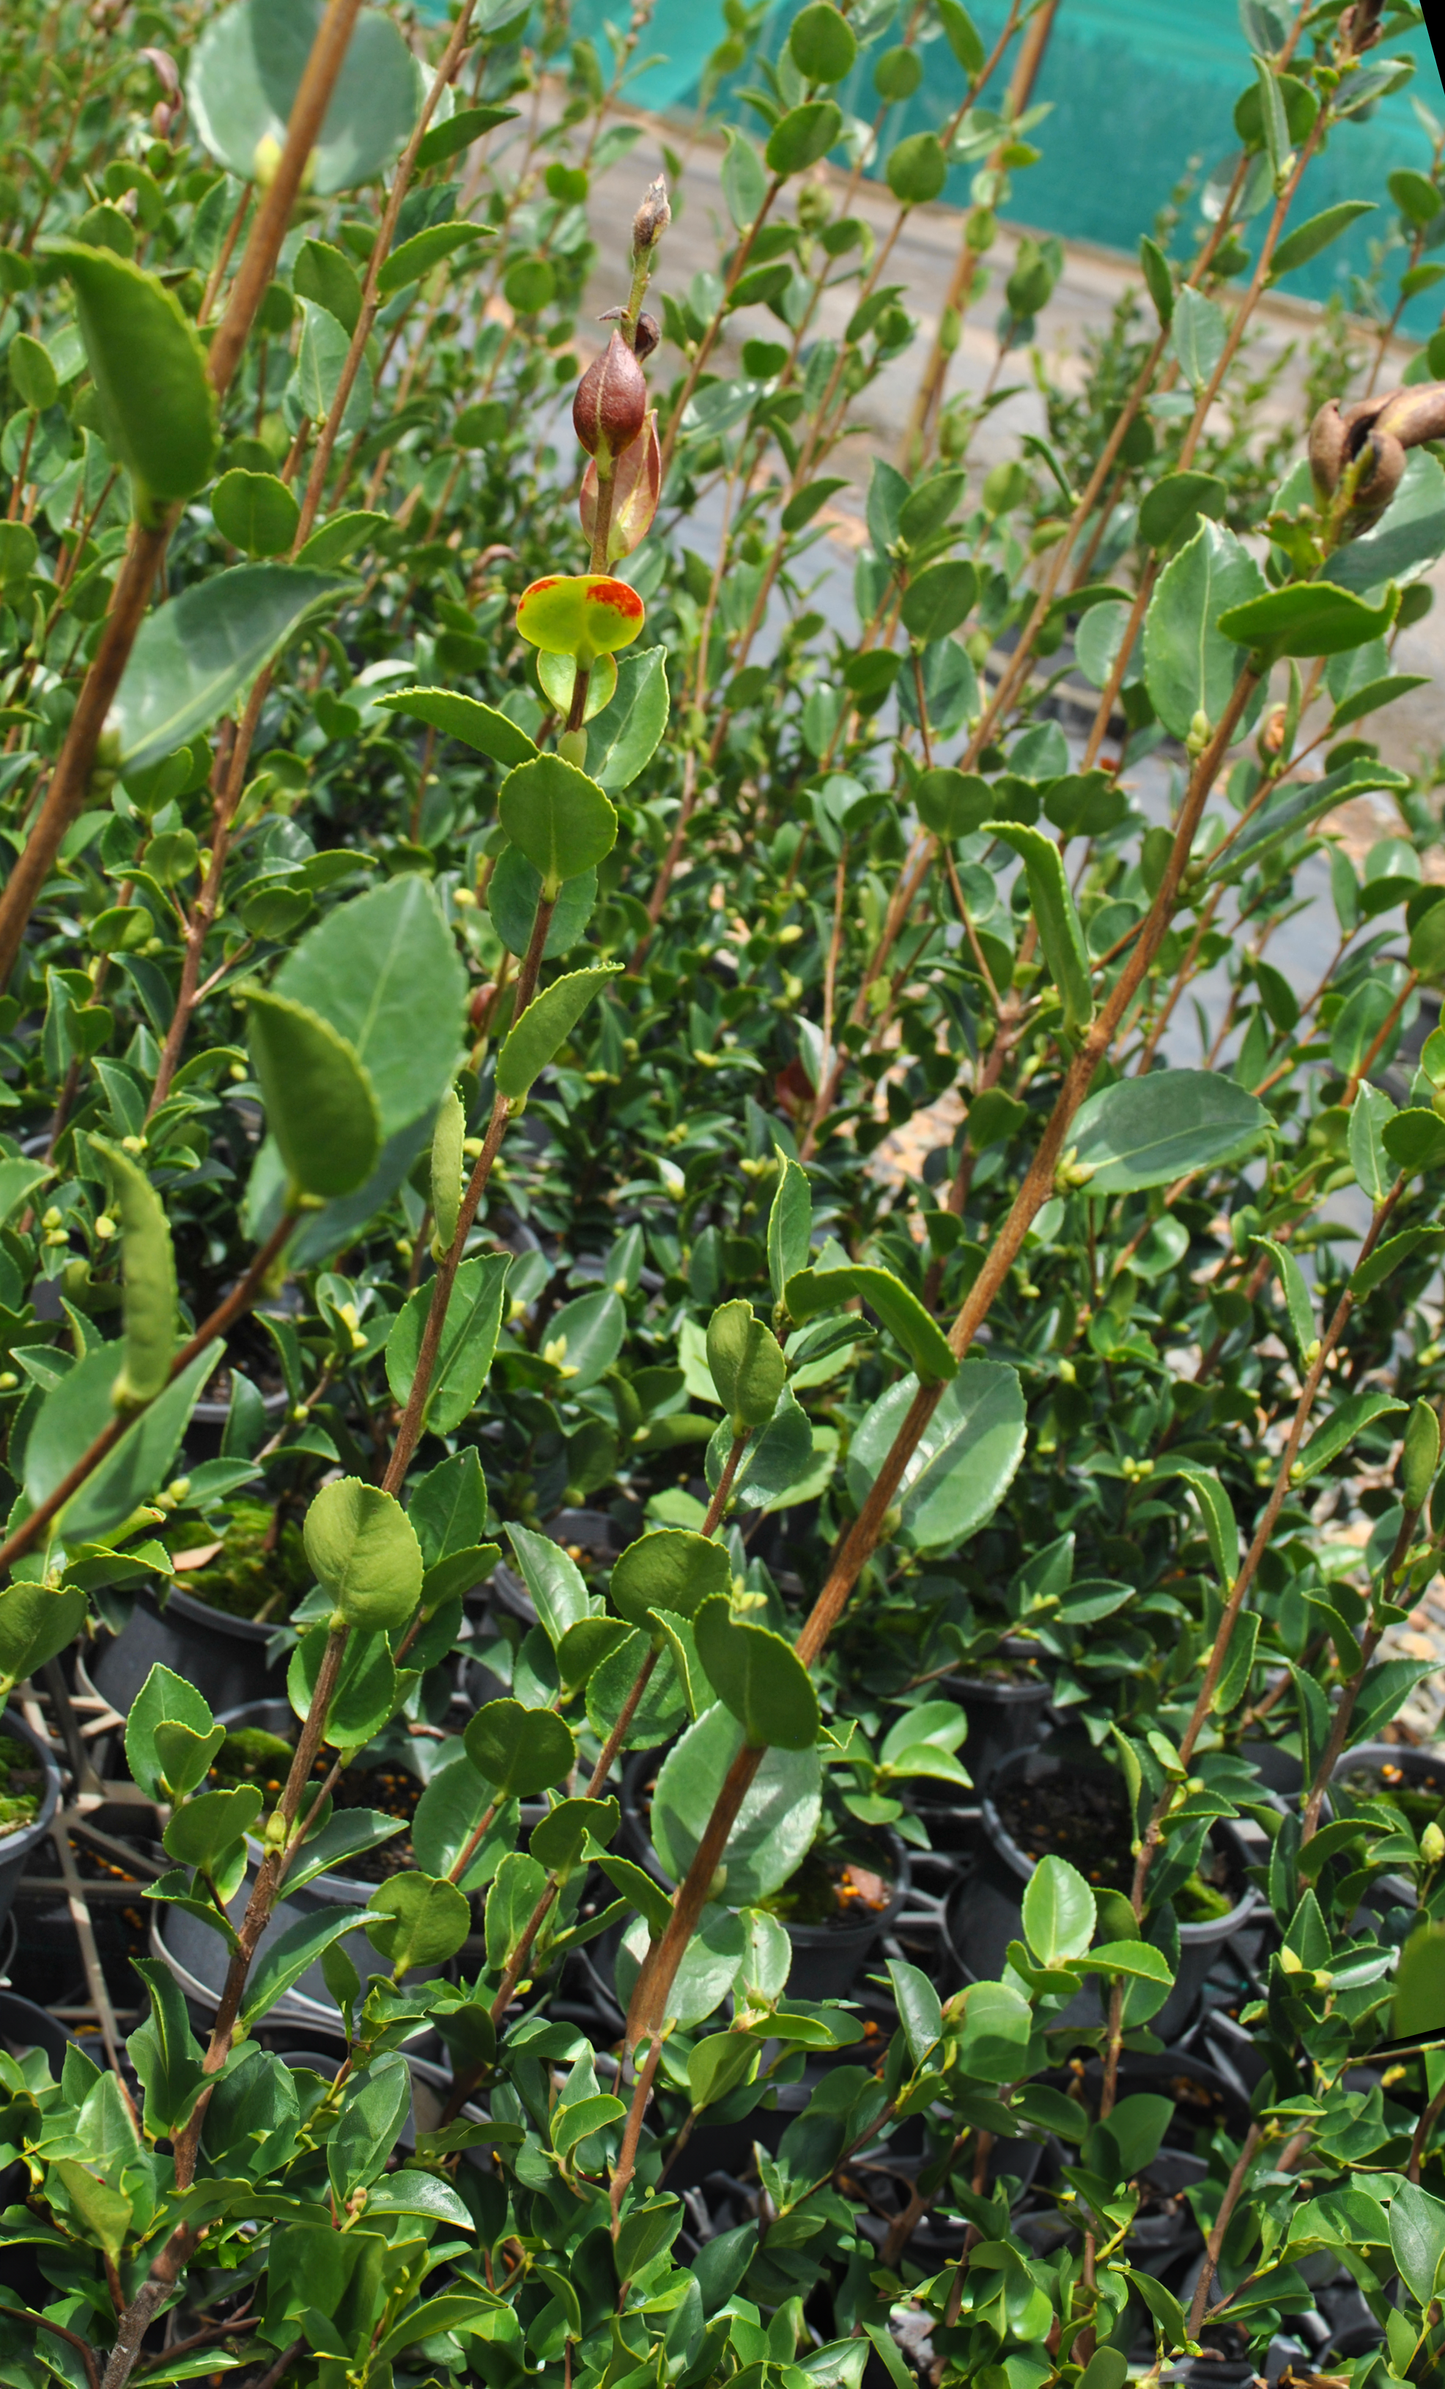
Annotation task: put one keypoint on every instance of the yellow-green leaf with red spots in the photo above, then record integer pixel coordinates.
(580, 614)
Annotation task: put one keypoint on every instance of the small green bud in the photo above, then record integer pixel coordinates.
(1432, 1844)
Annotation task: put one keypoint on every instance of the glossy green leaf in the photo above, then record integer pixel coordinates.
(759, 1676)
(468, 1341)
(670, 1569)
(163, 1697)
(953, 804)
(364, 1551)
(822, 43)
(804, 135)
(965, 1459)
(197, 655)
(1058, 1912)
(916, 169)
(1315, 234)
(558, 817)
(78, 1410)
(149, 370)
(246, 70)
(35, 1624)
(1311, 618)
(519, 1751)
(774, 1827)
(1299, 1306)
(320, 1104)
(418, 1920)
(1149, 1131)
(938, 600)
(544, 1028)
(256, 512)
(563, 1838)
(1344, 1423)
(384, 971)
(627, 732)
(283, 1962)
(331, 545)
(1191, 662)
(329, 279)
(900, 1310)
(1057, 917)
(746, 1363)
(585, 1337)
(424, 250)
(458, 132)
(1176, 500)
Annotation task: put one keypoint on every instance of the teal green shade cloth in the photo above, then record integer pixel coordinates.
(1141, 96)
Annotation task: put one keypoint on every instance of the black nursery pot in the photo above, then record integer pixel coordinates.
(827, 1958)
(1003, 1716)
(223, 1656)
(985, 1912)
(16, 1847)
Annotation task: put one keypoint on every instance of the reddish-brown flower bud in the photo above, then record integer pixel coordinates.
(636, 483)
(649, 332)
(611, 402)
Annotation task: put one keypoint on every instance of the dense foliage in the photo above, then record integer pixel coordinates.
(665, 1195)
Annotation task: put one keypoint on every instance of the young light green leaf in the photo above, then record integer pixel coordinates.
(364, 1551)
(320, 1104)
(447, 1168)
(418, 1920)
(256, 512)
(670, 1569)
(790, 1224)
(544, 1028)
(468, 1341)
(747, 1365)
(1297, 1300)
(1191, 662)
(558, 817)
(759, 1676)
(520, 1751)
(149, 370)
(1054, 911)
(815, 1290)
(1058, 1912)
(148, 1265)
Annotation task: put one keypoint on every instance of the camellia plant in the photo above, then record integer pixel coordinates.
(722, 1373)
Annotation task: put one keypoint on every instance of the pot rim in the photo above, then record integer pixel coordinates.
(200, 1613)
(1019, 1863)
(21, 1839)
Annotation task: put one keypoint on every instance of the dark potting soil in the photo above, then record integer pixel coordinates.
(260, 1571)
(1083, 1816)
(22, 1785)
(830, 1890)
(251, 1755)
(1420, 1800)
